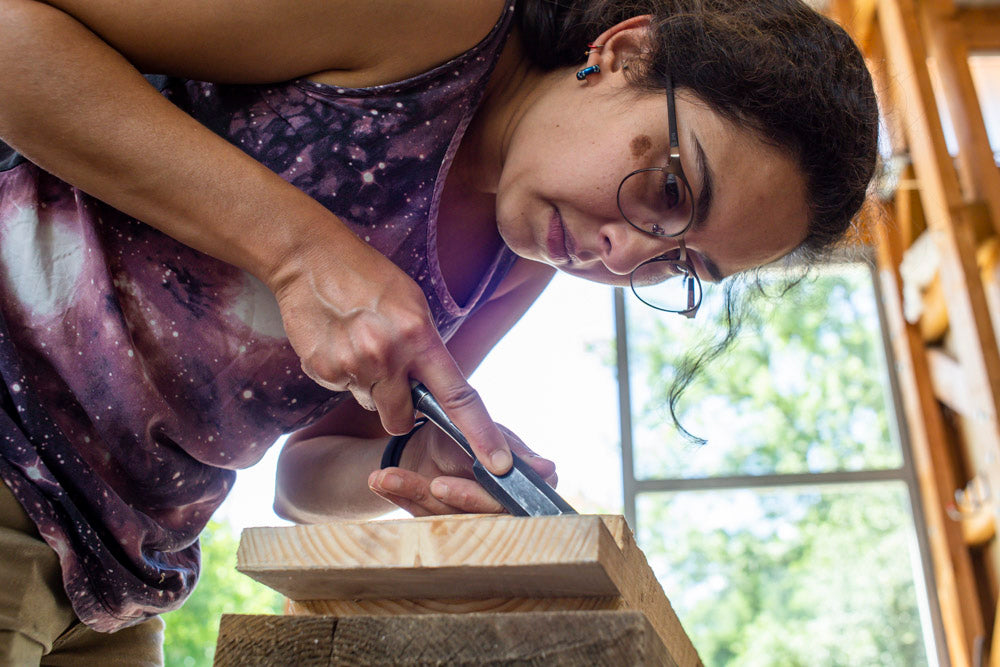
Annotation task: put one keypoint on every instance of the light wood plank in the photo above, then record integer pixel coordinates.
(383, 565)
(485, 556)
(641, 590)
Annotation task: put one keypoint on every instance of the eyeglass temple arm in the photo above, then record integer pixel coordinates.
(672, 119)
(691, 310)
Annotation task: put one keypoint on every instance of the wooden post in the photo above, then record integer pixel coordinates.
(951, 219)
(953, 574)
(475, 589)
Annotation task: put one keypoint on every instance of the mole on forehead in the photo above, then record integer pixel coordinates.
(640, 144)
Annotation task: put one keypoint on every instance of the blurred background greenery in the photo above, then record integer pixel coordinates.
(192, 630)
(781, 573)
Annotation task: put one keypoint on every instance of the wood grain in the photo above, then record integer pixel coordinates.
(952, 218)
(273, 640)
(595, 638)
(398, 606)
(436, 557)
(641, 591)
(461, 564)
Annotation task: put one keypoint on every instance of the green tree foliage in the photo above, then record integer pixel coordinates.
(803, 576)
(192, 630)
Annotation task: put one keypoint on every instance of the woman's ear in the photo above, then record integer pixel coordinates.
(620, 43)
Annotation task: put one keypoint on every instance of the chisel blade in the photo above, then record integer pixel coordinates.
(521, 490)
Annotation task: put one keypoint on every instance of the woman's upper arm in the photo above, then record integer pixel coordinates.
(251, 41)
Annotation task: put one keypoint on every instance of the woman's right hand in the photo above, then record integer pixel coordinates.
(360, 324)
(435, 475)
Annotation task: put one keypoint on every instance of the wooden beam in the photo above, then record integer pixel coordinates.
(864, 23)
(478, 557)
(565, 639)
(978, 173)
(953, 573)
(951, 221)
(909, 212)
(271, 640)
(857, 17)
(979, 27)
(934, 318)
(988, 257)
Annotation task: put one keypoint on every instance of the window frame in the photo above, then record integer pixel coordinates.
(632, 487)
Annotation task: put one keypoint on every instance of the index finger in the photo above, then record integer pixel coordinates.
(462, 404)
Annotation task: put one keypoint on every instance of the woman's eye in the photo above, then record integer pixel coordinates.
(671, 192)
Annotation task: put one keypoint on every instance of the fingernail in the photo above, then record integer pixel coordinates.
(501, 460)
(392, 482)
(373, 478)
(439, 489)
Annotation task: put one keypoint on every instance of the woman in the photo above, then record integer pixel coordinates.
(366, 194)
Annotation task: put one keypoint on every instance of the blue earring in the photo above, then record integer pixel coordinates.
(587, 71)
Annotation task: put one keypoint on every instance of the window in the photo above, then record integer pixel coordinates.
(789, 538)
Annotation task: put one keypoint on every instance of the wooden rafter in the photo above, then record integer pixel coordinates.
(953, 573)
(979, 27)
(950, 218)
(977, 169)
(959, 208)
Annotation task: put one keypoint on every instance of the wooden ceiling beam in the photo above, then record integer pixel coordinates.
(954, 577)
(979, 27)
(978, 174)
(951, 217)
(857, 17)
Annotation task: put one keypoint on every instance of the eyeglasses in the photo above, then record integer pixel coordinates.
(659, 202)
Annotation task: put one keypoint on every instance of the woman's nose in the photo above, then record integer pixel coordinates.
(623, 247)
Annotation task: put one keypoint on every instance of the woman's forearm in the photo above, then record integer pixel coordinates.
(326, 478)
(76, 107)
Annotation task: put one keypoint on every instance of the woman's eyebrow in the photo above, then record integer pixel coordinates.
(703, 204)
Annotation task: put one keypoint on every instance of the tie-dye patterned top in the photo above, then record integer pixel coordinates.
(138, 373)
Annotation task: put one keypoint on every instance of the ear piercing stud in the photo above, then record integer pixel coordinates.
(587, 71)
(593, 47)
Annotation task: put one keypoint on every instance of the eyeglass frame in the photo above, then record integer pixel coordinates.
(681, 263)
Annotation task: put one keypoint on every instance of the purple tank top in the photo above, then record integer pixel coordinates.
(138, 373)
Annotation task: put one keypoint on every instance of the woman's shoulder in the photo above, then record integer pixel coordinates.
(397, 39)
(262, 41)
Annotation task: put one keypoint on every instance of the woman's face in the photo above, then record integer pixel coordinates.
(557, 194)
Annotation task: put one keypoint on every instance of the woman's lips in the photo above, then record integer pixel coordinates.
(558, 241)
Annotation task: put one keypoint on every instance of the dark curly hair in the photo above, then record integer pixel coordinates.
(776, 67)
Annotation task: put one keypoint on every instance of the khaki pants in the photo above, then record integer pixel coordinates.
(37, 624)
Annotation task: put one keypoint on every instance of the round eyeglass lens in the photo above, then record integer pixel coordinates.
(666, 285)
(656, 201)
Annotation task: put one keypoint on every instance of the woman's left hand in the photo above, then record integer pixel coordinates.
(435, 475)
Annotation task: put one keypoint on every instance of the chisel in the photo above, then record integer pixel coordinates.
(521, 490)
